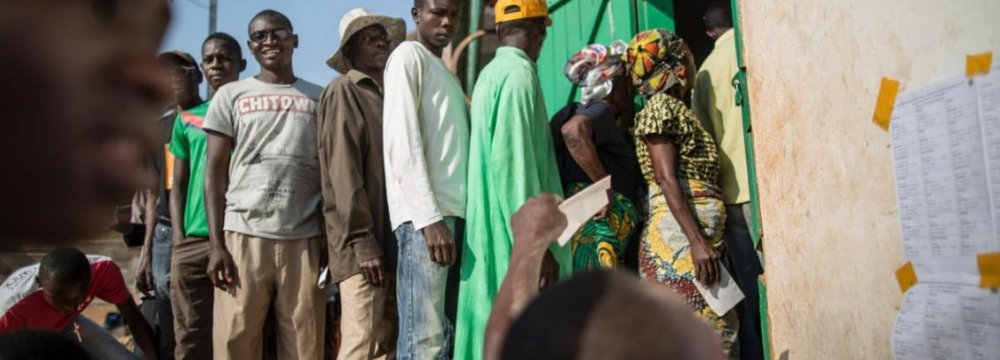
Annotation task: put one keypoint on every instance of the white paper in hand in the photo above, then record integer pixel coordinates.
(722, 296)
(582, 206)
(324, 276)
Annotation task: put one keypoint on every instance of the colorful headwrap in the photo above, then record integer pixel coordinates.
(658, 60)
(592, 68)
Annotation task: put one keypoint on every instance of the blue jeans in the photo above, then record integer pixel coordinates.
(424, 292)
(163, 246)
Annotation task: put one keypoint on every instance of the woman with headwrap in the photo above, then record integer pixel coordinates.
(591, 141)
(682, 239)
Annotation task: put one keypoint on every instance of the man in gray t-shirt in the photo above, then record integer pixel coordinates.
(262, 198)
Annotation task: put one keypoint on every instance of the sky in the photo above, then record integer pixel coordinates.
(315, 21)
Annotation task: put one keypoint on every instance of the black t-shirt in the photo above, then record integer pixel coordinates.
(165, 126)
(616, 154)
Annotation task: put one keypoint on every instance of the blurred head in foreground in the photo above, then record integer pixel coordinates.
(609, 315)
(40, 345)
(79, 88)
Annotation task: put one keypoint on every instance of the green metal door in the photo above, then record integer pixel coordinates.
(577, 23)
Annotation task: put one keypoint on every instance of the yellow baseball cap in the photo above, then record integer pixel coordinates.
(509, 10)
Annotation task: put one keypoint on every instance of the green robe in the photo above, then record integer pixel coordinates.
(511, 159)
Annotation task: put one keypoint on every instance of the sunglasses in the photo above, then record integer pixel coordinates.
(263, 35)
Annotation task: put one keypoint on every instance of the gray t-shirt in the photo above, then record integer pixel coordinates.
(274, 188)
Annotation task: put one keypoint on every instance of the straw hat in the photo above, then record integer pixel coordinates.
(356, 20)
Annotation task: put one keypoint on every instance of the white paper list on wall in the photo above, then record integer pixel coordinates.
(946, 155)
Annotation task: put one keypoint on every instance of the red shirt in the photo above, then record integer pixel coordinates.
(23, 305)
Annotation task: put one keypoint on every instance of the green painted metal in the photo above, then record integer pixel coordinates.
(576, 23)
(652, 14)
(743, 99)
(765, 336)
(472, 53)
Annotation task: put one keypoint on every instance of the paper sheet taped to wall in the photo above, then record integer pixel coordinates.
(946, 152)
(948, 321)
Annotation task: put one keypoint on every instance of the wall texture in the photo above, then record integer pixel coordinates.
(831, 234)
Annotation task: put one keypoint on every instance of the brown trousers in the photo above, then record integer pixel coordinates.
(192, 295)
(282, 272)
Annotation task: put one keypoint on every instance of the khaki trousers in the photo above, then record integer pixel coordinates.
(361, 303)
(284, 272)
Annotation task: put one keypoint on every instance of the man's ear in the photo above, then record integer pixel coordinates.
(415, 14)
(296, 45)
(243, 64)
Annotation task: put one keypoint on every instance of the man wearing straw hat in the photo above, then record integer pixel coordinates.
(349, 133)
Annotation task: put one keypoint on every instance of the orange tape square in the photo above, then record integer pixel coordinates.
(906, 276)
(978, 64)
(885, 103)
(989, 270)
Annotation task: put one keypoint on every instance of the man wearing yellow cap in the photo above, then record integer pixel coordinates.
(511, 159)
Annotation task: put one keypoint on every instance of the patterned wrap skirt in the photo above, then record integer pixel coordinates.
(600, 244)
(665, 254)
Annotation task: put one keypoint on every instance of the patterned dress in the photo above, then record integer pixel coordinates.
(664, 251)
(600, 244)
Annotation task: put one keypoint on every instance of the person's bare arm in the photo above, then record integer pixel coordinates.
(579, 137)
(178, 198)
(221, 268)
(150, 216)
(142, 332)
(663, 153)
(535, 225)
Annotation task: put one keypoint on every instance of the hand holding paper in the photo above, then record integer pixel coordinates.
(581, 207)
(722, 296)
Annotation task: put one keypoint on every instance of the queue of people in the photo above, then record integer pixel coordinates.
(433, 221)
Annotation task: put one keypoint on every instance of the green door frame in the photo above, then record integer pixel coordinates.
(743, 99)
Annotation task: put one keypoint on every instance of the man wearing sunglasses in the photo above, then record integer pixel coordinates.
(262, 199)
(153, 274)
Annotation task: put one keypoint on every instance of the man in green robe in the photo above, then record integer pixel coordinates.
(511, 158)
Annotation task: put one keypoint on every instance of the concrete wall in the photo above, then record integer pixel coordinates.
(831, 233)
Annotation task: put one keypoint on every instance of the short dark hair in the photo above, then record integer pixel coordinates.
(39, 344)
(594, 316)
(229, 41)
(272, 15)
(64, 266)
(719, 15)
(519, 26)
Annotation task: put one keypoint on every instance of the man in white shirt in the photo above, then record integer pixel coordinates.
(426, 144)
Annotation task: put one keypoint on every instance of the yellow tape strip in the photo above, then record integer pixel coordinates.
(886, 102)
(906, 276)
(989, 270)
(978, 64)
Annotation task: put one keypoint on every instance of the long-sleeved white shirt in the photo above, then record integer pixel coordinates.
(425, 138)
